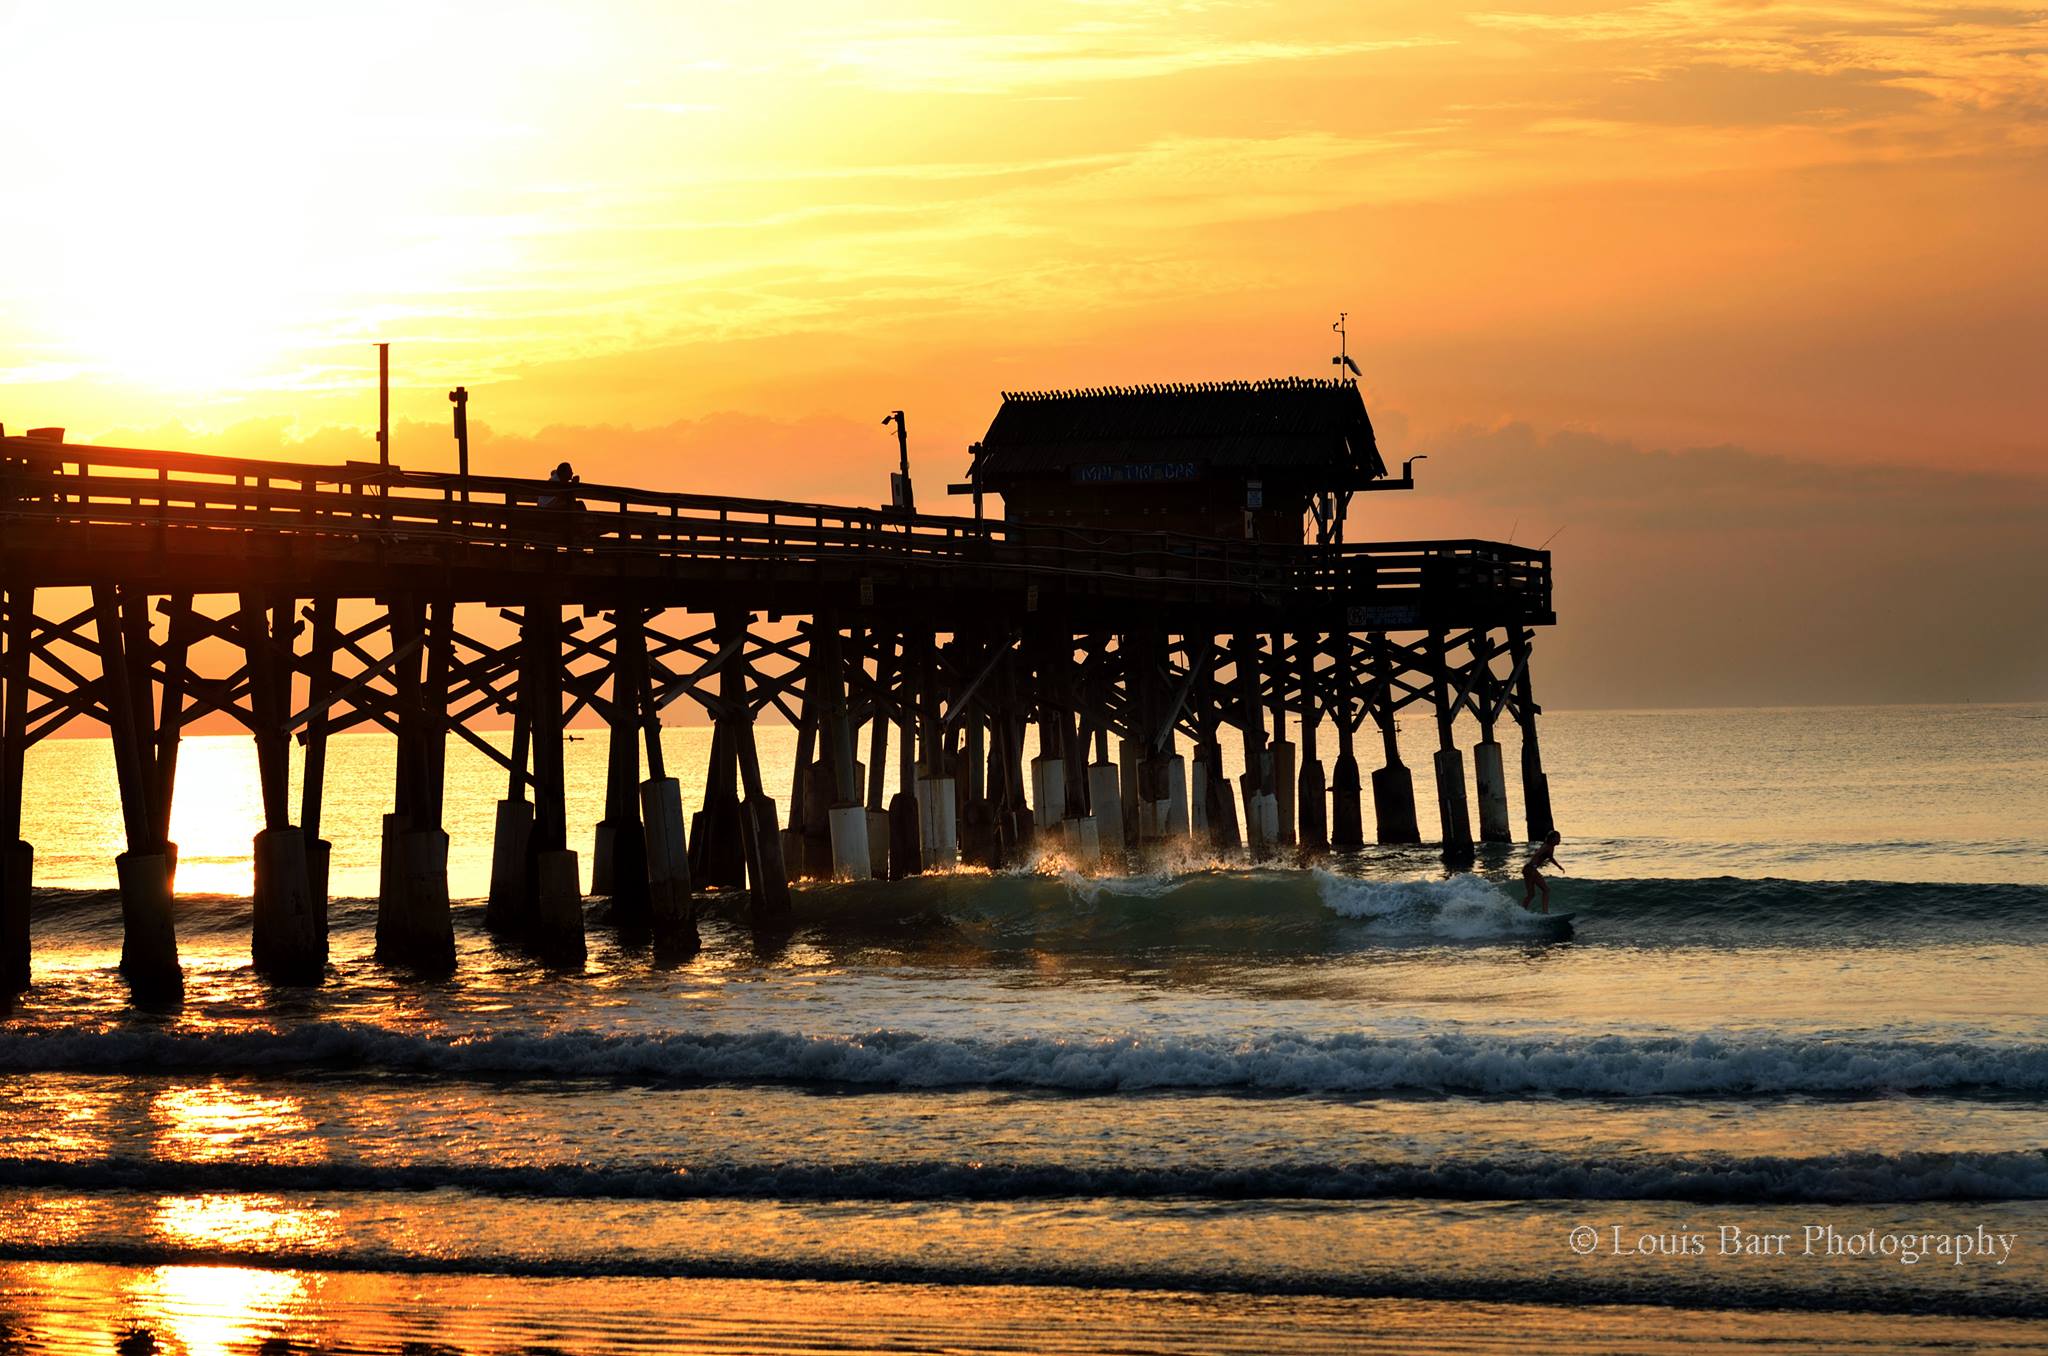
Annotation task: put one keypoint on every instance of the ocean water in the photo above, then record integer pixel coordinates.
(1784, 1085)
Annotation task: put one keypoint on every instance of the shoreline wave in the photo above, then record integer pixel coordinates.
(1440, 1062)
(1831, 1179)
(1836, 1294)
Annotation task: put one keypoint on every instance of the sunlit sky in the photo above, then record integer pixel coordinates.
(1744, 301)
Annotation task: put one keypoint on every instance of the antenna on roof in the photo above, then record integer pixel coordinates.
(1342, 361)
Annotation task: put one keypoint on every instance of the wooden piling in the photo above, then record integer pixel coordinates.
(1280, 750)
(767, 878)
(287, 940)
(1488, 778)
(554, 928)
(717, 852)
(508, 905)
(906, 848)
(415, 928)
(149, 943)
(1535, 782)
(320, 688)
(1347, 822)
(1261, 808)
(1312, 806)
(619, 859)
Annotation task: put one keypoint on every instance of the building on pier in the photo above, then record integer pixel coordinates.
(1237, 459)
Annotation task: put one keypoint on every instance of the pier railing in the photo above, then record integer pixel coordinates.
(189, 500)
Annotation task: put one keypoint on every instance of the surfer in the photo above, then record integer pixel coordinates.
(1532, 875)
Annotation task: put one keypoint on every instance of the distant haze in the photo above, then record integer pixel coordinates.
(1742, 306)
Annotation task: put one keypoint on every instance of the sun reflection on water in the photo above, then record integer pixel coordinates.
(218, 1220)
(210, 1311)
(215, 1121)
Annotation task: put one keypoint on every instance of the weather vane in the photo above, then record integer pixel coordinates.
(1343, 358)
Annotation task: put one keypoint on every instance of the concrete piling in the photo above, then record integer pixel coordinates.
(881, 837)
(1311, 796)
(17, 877)
(555, 931)
(938, 826)
(1048, 792)
(419, 931)
(391, 880)
(672, 912)
(1453, 811)
(149, 936)
(906, 849)
(767, 874)
(511, 838)
(1081, 839)
(1347, 823)
(1284, 788)
(1393, 806)
(852, 857)
(1105, 793)
(1491, 780)
(1179, 811)
(288, 942)
(319, 855)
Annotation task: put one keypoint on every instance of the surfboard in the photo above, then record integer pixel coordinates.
(1557, 926)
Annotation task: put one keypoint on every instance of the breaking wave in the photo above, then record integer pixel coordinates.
(1446, 1062)
(1286, 911)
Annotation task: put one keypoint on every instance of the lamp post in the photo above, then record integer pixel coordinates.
(459, 398)
(899, 484)
(384, 405)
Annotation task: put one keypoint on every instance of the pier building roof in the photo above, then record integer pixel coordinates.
(1297, 428)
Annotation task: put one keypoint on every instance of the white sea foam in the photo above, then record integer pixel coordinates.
(1459, 907)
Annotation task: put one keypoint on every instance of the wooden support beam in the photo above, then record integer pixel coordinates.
(268, 706)
(1535, 782)
(878, 729)
(1453, 809)
(767, 881)
(149, 943)
(619, 865)
(319, 698)
(133, 769)
(176, 672)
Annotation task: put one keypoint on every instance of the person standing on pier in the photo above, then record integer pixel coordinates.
(560, 492)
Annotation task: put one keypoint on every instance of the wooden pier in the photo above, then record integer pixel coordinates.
(353, 597)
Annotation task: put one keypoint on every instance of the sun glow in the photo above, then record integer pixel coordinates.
(215, 816)
(239, 211)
